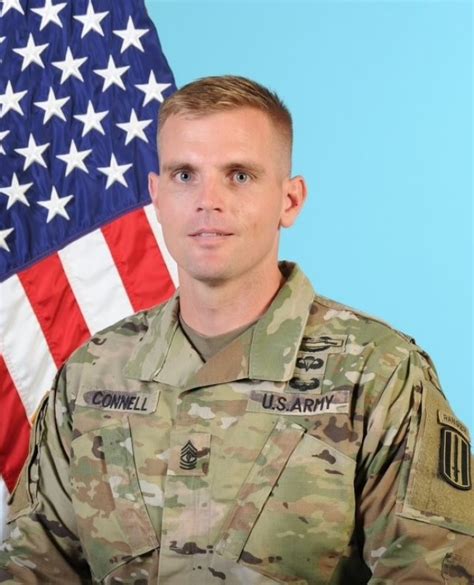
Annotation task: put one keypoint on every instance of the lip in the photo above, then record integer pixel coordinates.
(210, 233)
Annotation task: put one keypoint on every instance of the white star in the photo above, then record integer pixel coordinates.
(31, 53)
(112, 74)
(135, 128)
(56, 205)
(53, 106)
(11, 100)
(74, 159)
(91, 119)
(91, 20)
(16, 192)
(9, 4)
(3, 237)
(50, 13)
(2, 136)
(131, 36)
(70, 66)
(115, 172)
(152, 90)
(2, 39)
(33, 153)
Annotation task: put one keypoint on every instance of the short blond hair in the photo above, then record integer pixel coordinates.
(209, 95)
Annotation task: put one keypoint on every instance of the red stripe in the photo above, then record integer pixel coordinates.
(138, 259)
(14, 429)
(48, 290)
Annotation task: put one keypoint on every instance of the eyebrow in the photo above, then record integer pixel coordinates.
(253, 168)
(249, 166)
(176, 166)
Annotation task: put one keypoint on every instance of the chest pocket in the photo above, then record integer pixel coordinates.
(112, 518)
(294, 514)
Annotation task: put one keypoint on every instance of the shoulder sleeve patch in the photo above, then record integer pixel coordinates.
(439, 489)
(455, 459)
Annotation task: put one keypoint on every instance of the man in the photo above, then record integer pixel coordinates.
(247, 431)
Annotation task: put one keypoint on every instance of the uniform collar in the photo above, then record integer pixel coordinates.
(266, 351)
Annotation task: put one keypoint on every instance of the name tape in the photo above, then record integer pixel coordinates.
(299, 404)
(119, 401)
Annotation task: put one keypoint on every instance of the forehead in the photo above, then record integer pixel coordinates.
(245, 127)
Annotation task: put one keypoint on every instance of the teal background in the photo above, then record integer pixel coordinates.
(381, 94)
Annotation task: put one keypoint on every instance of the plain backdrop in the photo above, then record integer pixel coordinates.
(381, 94)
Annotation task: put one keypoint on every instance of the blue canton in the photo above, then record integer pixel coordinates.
(81, 83)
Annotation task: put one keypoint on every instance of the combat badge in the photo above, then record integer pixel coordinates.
(325, 343)
(312, 359)
(455, 453)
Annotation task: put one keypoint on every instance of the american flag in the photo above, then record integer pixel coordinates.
(81, 83)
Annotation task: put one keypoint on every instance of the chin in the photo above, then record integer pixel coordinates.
(210, 277)
(207, 272)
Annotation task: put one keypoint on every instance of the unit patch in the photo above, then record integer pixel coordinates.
(298, 403)
(119, 401)
(455, 459)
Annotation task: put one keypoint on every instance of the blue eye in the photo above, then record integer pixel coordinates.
(184, 176)
(241, 177)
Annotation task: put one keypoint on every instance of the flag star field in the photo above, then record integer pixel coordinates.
(80, 87)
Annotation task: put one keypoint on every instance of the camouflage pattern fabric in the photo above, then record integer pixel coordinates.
(316, 448)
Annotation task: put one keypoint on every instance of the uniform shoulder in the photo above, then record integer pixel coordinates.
(358, 325)
(374, 350)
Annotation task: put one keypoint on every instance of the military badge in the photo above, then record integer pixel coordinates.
(303, 385)
(312, 359)
(325, 343)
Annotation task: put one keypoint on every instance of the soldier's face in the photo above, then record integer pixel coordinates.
(223, 193)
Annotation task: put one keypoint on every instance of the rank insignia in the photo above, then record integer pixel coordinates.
(189, 453)
(188, 458)
(455, 459)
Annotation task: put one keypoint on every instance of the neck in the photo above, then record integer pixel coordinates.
(216, 309)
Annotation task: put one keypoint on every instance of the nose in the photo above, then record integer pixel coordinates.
(210, 195)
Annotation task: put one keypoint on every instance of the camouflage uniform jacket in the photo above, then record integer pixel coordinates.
(316, 448)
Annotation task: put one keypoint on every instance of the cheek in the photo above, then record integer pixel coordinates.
(262, 225)
(170, 210)
(171, 219)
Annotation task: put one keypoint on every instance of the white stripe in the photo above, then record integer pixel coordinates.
(23, 345)
(3, 510)
(95, 281)
(157, 232)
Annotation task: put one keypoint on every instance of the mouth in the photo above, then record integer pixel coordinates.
(210, 233)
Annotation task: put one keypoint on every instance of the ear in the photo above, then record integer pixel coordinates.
(153, 188)
(295, 192)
